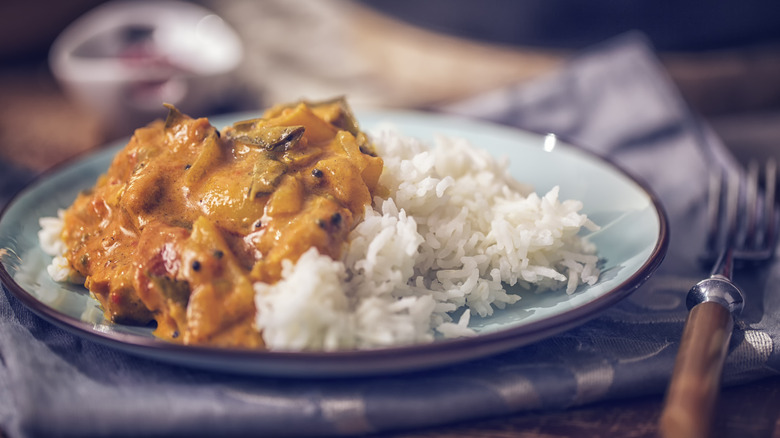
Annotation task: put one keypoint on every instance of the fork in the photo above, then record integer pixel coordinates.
(744, 229)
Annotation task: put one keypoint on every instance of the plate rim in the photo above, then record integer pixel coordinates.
(416, 356)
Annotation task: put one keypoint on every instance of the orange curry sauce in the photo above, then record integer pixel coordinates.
(188, 217)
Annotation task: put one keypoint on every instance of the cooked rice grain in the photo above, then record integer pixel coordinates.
(50, 242)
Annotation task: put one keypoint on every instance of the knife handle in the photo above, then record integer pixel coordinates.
(690, 399)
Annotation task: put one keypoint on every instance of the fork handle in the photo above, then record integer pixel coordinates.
(695, 381)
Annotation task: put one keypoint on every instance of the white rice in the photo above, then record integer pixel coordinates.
(456, 230)
(49, 239)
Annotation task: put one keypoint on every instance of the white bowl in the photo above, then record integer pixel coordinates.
(124, 59)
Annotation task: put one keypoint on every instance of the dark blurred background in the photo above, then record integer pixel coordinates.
(29, 27)
(724, 55)
(685, 25)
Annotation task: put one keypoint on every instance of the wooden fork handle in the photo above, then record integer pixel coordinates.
(695, 383)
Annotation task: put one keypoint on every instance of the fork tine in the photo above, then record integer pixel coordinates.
(750, 238)
(712, 244)
(727, 224)
(732, 207)
(722, 213)
(770, 204)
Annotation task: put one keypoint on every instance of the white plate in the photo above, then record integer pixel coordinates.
(632, 243)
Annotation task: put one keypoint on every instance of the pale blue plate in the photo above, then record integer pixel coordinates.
(632, 243)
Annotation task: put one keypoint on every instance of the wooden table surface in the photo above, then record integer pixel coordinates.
(745, 411)
(40, 127)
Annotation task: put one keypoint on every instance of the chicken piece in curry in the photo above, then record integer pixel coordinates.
(187, 218)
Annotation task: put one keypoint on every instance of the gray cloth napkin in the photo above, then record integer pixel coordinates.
(614, 99)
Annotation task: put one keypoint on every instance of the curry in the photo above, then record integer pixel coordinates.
(188, 217)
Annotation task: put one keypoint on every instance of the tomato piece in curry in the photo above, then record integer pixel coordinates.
(187, 218)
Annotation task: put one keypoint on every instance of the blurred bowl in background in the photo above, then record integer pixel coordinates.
(124, 59)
